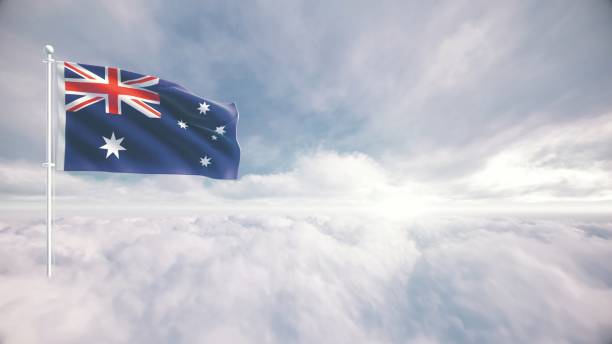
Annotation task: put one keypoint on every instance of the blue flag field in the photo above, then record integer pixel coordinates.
(114, 120)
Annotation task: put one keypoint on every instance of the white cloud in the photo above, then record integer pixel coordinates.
(321, 174)
(569, 163)
(410, 79)
(304, 279)
(566, 161)
(321, 178)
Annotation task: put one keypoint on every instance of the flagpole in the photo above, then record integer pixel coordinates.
(49, 164)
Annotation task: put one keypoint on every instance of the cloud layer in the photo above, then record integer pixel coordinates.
(424, 84)
(453, 101)
(305, 279)
(563, 164)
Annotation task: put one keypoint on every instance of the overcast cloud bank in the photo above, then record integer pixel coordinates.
(307, 279)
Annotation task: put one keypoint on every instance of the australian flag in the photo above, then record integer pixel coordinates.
(114, 120)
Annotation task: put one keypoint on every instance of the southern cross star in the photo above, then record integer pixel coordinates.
(182, 124)
(205, 161)
(214, 137)
(204, 108)
(112, 146)
(220, 130)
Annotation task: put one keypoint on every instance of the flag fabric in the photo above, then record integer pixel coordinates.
(114, 120)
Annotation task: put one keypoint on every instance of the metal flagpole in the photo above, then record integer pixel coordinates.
(49, 50)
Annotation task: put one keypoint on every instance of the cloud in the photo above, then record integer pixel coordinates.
(565, 163)
(303, 279)
(319, 174)
(354, 118)
(410, 81)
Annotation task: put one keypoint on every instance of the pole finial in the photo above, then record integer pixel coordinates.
(49, 49)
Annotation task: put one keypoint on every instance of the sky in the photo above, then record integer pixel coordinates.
(477, 101)
(411, 171)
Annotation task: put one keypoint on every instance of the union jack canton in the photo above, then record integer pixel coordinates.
(114, 120)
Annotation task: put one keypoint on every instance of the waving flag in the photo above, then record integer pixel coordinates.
(114, 120)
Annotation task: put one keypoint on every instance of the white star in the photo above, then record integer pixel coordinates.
(182, 124)
(220, 130)
(204, 108)
(112, 146)
(205, 161)
(214, 137)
